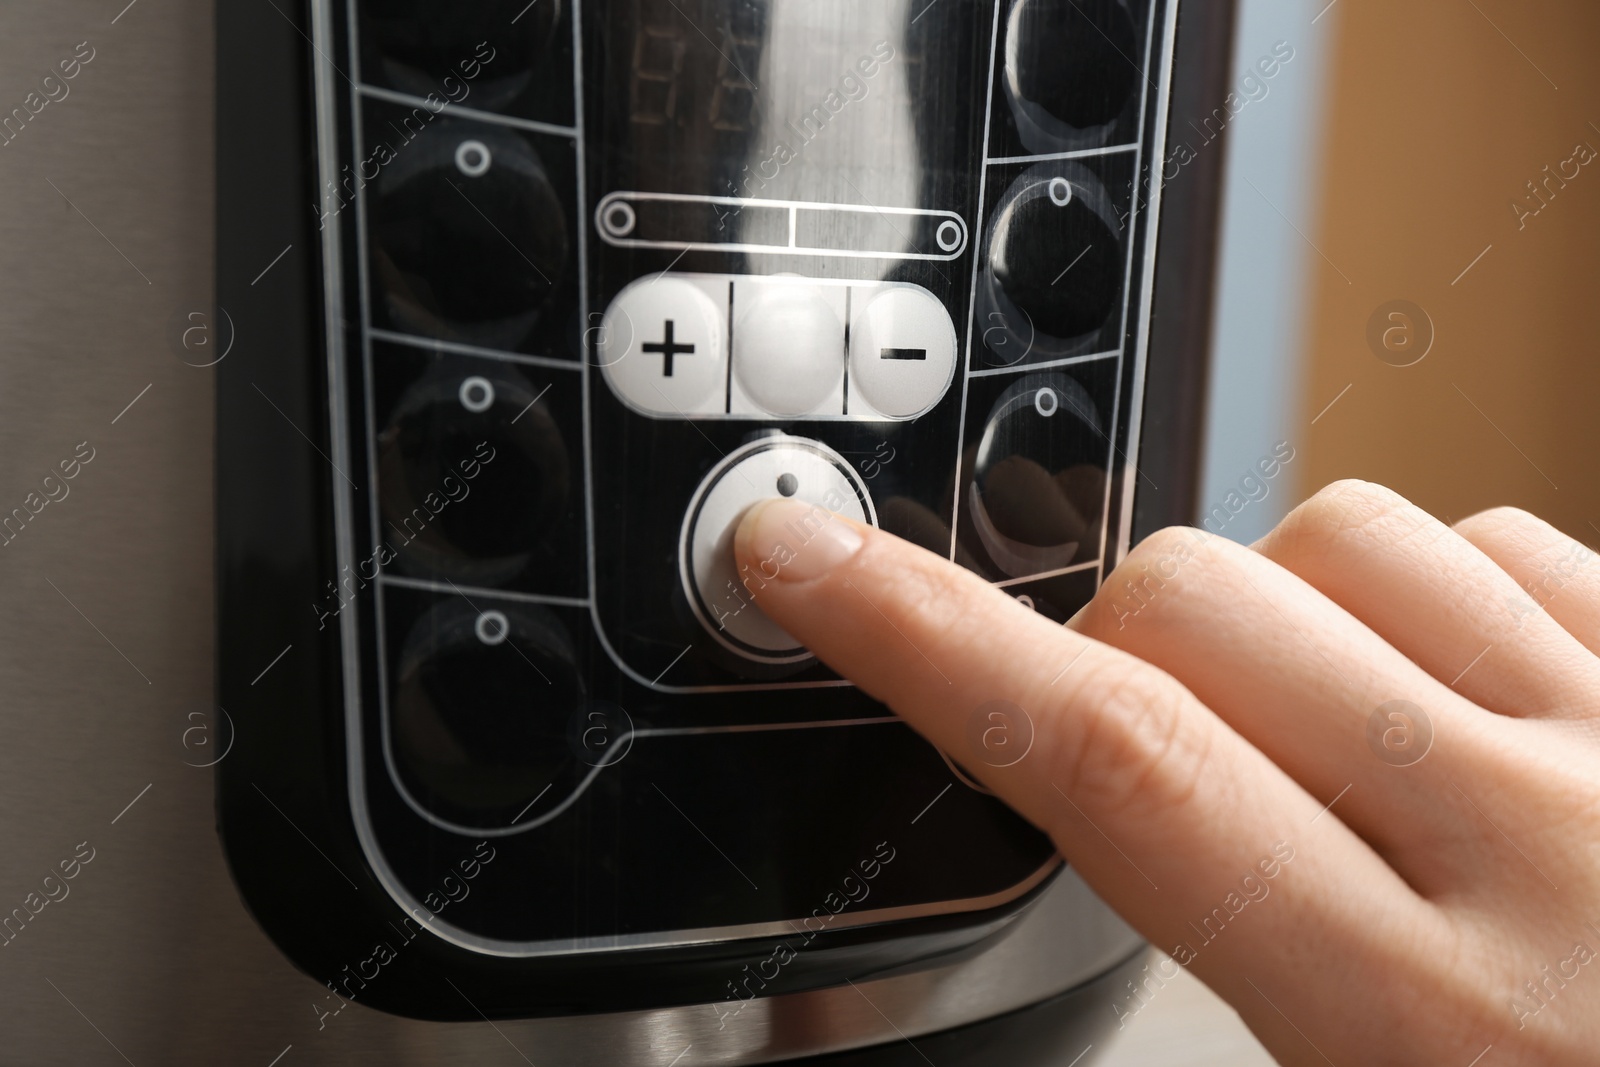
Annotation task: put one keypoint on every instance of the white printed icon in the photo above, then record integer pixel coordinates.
(663, 347)
(902, 352)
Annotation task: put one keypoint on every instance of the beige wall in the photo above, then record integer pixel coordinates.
(1437, 121)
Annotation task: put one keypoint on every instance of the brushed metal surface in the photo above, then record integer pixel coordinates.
(106, 639)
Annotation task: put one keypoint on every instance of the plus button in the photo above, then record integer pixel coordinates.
(668, 348)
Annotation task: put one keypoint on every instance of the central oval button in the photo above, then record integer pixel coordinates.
(788, 346)
(727, 600)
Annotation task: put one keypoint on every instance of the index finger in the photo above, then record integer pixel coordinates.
(1158, 803)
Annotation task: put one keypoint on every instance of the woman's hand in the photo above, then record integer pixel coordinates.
(1349, 777)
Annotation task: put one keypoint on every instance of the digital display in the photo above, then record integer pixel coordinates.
(830, 101)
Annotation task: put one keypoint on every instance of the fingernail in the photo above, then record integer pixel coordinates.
(793, 541)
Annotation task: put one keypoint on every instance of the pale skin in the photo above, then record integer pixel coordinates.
(1187, 739)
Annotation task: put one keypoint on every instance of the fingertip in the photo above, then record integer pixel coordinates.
(744, 535)
(795, 541)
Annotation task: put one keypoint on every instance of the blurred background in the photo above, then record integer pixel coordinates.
(1427, 152)
(1410, 273)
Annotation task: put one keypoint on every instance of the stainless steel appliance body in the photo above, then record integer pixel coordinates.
(134, 725)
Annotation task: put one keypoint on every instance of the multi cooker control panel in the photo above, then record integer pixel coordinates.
(603, 273)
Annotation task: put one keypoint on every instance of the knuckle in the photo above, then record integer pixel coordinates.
(1150, 573)
(1541, 559)
(1356, 491)
(1504, 523)
(1346, 509)
(1141, 749)
(1167, 542)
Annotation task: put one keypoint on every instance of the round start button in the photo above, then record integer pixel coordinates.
(726, 599)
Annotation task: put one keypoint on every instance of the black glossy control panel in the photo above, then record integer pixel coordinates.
(607, 272)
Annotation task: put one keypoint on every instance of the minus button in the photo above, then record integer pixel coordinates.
(903, 353)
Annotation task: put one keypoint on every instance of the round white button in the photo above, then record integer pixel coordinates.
(902, 351)
(726, 600)
(663, 347)
(788, 346)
